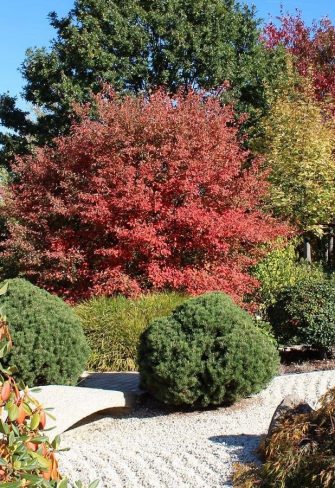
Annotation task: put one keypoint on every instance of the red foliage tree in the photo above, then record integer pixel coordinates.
(149, 194)
(313, 49)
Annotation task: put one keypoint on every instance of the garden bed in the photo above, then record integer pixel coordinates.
(304, 360)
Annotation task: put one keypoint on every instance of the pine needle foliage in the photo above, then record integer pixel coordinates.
(207, 352)
(50, 346)
(28, 459)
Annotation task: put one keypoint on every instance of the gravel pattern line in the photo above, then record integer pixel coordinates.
(154, 448)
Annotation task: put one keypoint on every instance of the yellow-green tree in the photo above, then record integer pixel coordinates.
(298, 144)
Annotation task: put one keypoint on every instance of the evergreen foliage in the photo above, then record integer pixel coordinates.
(305, 314)
(280, 269)
(28, 457)
(137, 45)
(207, 352)
(50, 347)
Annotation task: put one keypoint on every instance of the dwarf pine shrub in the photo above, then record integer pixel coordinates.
(207, 352)
(28, 457)
(50, 346)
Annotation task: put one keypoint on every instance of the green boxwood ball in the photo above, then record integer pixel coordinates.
(207, 352)
(49, 343)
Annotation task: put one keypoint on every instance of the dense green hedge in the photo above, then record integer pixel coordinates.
(281, 269)
(207, 352)
(305, 314)
(113, 327)
(49, 343)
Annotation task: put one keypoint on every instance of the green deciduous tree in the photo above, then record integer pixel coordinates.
(136, 45)
(298, 144)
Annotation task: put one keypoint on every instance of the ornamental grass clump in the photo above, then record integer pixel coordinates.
(299, 453)
(207, 352)
(50, 346)
(113, 327)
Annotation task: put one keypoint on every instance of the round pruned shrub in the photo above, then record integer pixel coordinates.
(113, 327)
(305, 314)
(50, 346)
(207, 352)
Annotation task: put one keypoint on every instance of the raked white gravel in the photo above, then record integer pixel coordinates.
(149, 448)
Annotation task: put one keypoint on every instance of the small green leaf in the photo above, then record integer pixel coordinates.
(56, 442)
(63, 483)
(4, 428)
(3, 462)
(27, 408)
(4, 289)
(4, 348)
(17, 464)
(11, 439)
(39, 439)
(13, 412)
(94, 484)
(44, 463)
(12, 370)
(35, 390)
(35, 420)
(14, 484)
(34, 479)
(49, 414)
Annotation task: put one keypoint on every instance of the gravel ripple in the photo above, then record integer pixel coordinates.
(151, 448)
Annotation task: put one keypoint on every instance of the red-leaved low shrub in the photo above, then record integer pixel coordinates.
(146, 193)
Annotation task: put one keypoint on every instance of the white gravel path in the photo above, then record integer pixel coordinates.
(153, 449)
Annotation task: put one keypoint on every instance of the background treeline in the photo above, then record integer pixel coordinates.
(139, 89)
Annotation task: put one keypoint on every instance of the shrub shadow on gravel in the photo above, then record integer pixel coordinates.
(244, 446)
(154, 408)
(145, 406)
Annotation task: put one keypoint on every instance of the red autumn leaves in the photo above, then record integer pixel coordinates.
(25, 418)
(150, 194)
(313, 50)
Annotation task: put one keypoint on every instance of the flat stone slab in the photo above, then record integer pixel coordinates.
(97, 392)
(126, 382)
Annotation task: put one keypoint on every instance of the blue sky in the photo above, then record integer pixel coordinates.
(24, 23)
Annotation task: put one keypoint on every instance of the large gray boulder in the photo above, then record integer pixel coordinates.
(292, 405)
